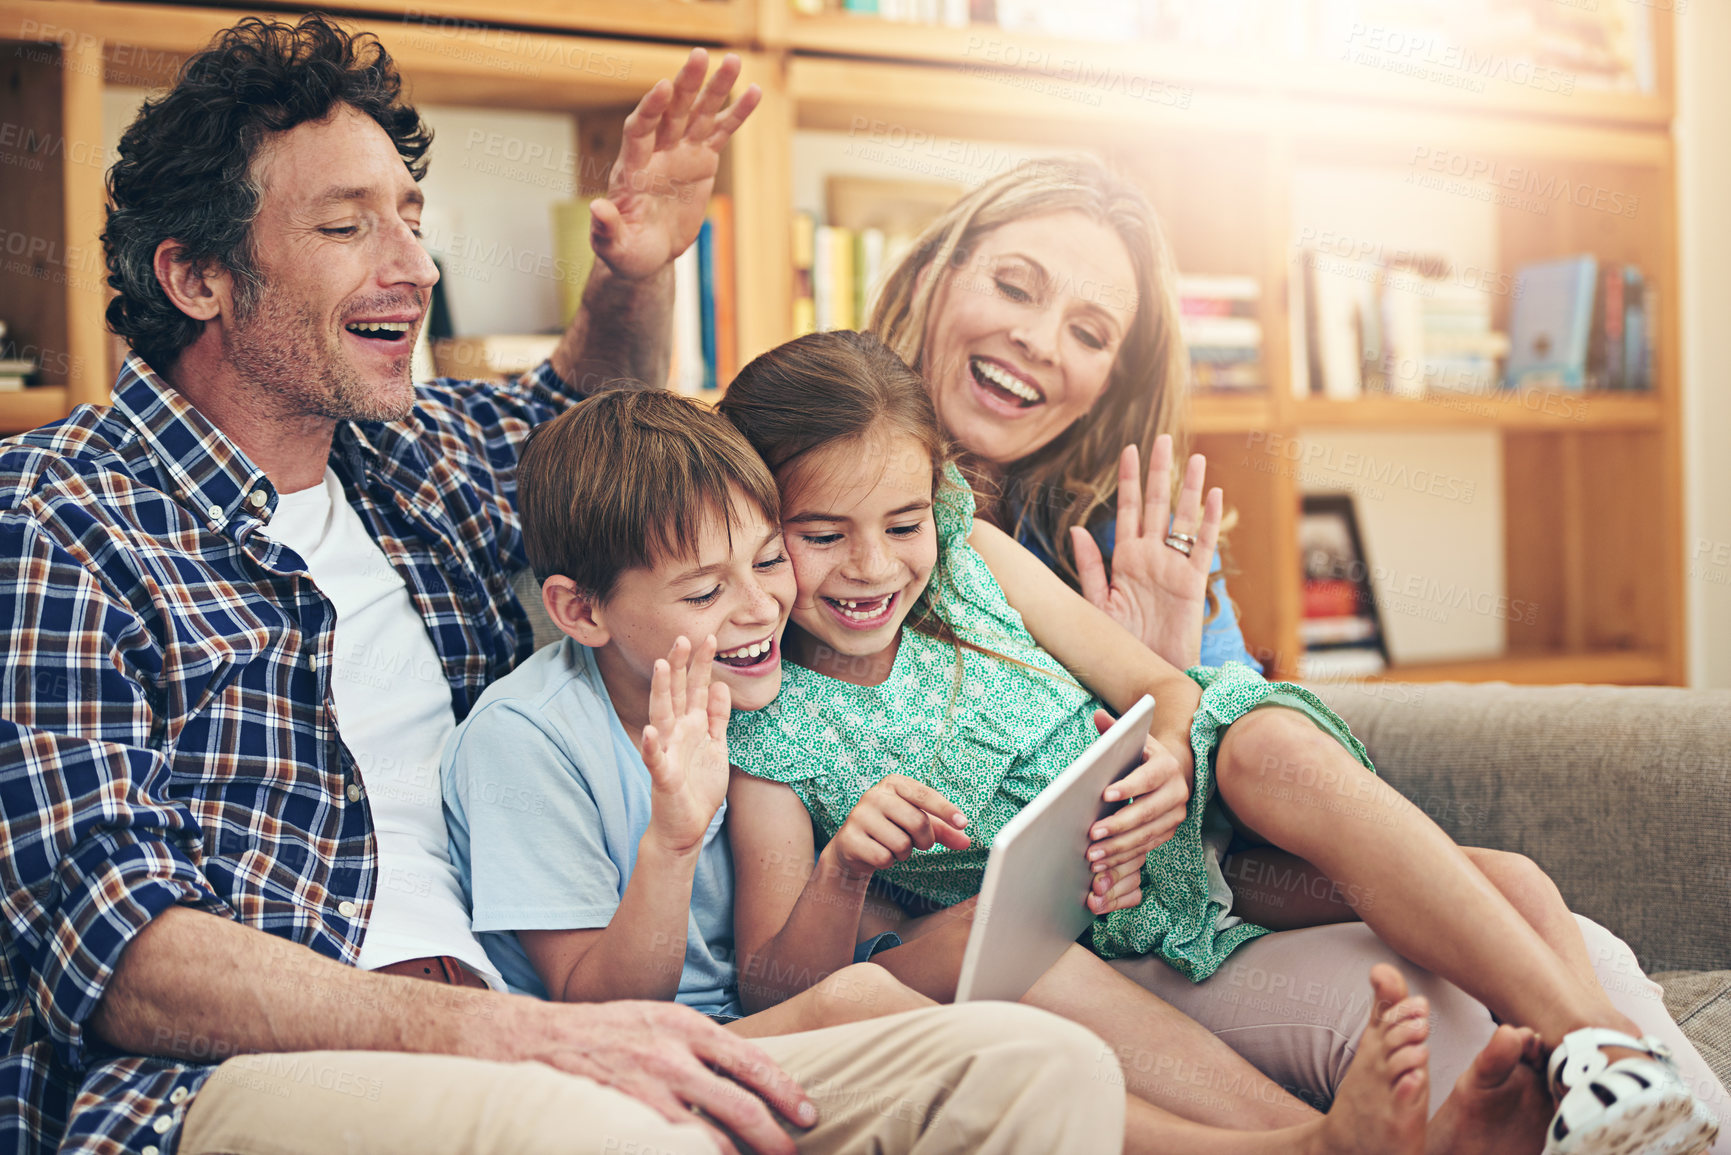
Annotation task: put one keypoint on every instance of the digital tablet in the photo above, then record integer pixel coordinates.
(1033, 902)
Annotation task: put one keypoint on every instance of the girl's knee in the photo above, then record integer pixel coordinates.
(1279, 748)
(1523, 882)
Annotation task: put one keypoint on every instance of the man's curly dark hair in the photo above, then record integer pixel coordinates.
(185, 164)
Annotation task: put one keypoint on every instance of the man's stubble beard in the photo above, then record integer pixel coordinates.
(282, 355)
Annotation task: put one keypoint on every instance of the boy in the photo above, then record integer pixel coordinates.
(586, 792)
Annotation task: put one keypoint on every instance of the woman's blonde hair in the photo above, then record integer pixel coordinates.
(1072, 480)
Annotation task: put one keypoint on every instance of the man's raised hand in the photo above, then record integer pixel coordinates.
(685, 745)
(658, 190)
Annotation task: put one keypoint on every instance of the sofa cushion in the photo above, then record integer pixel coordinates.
(1700, 1001)
(1622, 794)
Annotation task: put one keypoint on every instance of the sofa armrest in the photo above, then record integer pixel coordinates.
(1622, 794)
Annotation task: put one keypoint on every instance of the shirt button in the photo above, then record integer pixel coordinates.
(215, 512)
(162, 1124)
(313, 661)
(178, 1096)
(151, 1150)
(354, 792)
(346, 908)
(256, 498)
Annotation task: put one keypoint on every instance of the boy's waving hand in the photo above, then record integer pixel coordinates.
(685, 745)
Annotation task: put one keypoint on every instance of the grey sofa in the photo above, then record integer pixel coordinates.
(1622, 794)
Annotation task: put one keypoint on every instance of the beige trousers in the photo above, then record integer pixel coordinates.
(1295, 1003)
(985, 1077)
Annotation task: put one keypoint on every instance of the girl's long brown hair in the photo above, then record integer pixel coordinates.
(1073, 480)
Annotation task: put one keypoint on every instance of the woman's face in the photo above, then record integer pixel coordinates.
(1021, 341)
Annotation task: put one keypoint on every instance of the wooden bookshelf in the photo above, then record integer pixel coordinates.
(1592, 499)
(1203, 71)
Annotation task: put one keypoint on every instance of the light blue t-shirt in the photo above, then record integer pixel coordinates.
(546, 799)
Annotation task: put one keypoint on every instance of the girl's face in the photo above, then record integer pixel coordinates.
(859, 531)
(1021, 341)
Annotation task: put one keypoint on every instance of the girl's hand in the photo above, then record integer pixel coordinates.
(658, 190)
(1156, 794)
(685, 746)
(895, 817)
(1155, 591)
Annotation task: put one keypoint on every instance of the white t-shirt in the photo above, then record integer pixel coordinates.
(393, 711)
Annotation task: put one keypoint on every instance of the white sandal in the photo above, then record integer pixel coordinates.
(1635, 1106)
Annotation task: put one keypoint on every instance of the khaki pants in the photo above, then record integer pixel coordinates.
(985, 1077)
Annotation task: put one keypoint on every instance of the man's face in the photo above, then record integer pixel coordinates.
(346, 281)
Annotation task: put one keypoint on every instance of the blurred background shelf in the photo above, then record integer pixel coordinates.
(1251, 157)
(1613, 668)
(31, 407)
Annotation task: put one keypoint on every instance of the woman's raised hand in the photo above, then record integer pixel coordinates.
(685, 745)
(893, 819)
(658, 190)
(1154, 590)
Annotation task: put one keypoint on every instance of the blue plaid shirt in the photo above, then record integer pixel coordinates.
(164, 730)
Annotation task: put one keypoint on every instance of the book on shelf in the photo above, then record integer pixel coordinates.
(955, 13)
(725, 278)
(837, 271)
(1579, 324)
(1222, 331)
(705, 339)
(1399, 329)
(573, 256)
(15, 373)
(804, 273)
(685, 370)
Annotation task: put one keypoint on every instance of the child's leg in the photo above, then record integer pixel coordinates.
(1531, 892)
(1380, 1109)
(1286, 782)
(860, 991)
(1277, 889)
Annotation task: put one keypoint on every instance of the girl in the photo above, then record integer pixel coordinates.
(939, 676)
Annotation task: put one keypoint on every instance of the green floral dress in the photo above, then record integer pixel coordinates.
(991, 734)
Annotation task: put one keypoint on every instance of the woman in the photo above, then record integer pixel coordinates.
(1041, 311)
(1050, 343)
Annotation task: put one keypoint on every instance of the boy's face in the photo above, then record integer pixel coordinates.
(739, 590)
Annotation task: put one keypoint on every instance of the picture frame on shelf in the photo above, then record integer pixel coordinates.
(1341, 628)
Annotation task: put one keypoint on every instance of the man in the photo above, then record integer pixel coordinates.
(241, 609)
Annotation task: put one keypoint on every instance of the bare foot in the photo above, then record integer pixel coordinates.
(1499, 1105)
(1380, 1108)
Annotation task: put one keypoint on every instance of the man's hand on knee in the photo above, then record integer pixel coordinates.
(676, 1061)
